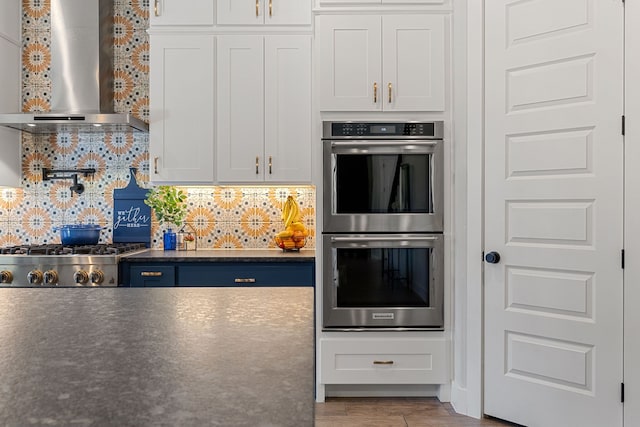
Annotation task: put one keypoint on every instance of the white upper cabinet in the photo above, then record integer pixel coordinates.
(10, 76)
(264, 108)
(379, 2)
(10, 20)
(175, 12)
(181, 108)
(381, 63)
(259, 12)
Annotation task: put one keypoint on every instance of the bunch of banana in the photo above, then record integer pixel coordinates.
(294, 234)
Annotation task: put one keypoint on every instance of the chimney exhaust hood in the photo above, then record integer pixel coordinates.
(81, 74)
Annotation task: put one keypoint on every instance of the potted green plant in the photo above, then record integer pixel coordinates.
(170, 206)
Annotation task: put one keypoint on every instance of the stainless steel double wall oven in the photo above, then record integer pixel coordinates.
(382, 237)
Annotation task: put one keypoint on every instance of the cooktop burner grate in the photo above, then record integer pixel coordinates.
(58, 249)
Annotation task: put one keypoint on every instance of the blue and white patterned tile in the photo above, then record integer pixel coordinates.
(231, 203)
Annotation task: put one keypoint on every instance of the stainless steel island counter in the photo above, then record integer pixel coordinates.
(156, 357)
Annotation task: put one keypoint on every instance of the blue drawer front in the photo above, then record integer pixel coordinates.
(246, 274)
(153, 275)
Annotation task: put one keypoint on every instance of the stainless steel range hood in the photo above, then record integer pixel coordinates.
(81, 74)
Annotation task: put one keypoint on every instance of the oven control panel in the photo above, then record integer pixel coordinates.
(387, 129)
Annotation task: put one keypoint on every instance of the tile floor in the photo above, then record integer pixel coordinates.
(394, 412)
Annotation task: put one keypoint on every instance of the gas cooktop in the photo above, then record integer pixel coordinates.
(56, 265)
(56, 249)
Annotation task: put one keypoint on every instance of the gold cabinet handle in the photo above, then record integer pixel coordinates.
(375, 92)
(270, 165)
(257, 7)
(270, 7)
(155, 8)
(151, 273)
(383, 362)
(389, 93)
(247, 280)
(155, 165)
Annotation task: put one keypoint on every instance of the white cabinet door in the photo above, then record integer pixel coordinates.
(330, 3)
(10, 20)
(349, 55)
(10, 165)
(287, 77)
(426, 2)
(240, 124)
(181, 107)
(287, 12)
(413, 62)
(272, 12)
(240, 12)
(175, 12)
(377, 2)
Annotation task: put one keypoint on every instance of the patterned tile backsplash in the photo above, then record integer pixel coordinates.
(224, 217)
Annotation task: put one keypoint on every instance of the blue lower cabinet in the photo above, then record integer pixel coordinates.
(144, 276)
(218, 274)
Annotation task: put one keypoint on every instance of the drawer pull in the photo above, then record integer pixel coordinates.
(151, 273)
(249, 280)
(383, 362)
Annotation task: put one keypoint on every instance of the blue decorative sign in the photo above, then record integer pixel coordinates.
(131, 217)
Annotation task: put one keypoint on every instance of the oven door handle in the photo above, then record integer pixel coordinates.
(394, 144)
(384, 238)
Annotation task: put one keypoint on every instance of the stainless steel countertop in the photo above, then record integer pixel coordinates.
(157, 356)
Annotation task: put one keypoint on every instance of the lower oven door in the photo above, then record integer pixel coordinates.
(383, 281)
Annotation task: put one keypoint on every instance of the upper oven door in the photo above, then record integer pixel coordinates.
(383, 185)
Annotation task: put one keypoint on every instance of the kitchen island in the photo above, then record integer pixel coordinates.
(155, 357)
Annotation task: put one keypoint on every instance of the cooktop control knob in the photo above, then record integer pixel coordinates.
(6, 276)
(80, 277)
(96, 277)
(50, 277)
(34, 277)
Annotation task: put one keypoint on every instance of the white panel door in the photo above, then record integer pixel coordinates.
(413, 62)
(181, 108)
(632, 218)
(553, 211)
(287, 77)
(349, 54)
(240, 97)
(176, 12)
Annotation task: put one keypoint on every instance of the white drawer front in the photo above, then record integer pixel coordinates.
(384, 361)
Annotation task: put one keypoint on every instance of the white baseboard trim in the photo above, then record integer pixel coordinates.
(459, 399)
(392, 390)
